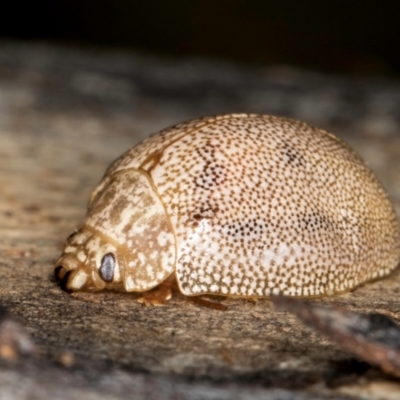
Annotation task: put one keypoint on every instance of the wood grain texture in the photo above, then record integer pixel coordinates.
(64, 115)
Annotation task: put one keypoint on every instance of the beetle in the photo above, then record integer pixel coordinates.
(240, 205)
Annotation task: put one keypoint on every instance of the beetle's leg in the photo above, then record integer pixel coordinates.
(161, 294)
(204, 302)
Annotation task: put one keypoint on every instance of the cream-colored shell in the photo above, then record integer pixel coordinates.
(239, 205)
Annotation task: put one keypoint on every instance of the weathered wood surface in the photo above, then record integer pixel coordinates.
(64, 115)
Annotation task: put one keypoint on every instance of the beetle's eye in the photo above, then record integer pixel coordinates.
(106, 270)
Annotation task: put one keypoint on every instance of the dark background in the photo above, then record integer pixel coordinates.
(351, 36)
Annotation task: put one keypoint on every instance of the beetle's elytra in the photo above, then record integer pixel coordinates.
(236, 205)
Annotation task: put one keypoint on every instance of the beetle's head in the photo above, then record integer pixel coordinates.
(89, 262)
(127, 241)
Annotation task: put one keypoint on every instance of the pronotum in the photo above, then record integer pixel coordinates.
(236, 205)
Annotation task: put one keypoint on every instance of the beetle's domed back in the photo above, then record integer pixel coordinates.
(264, 204)
(240, 205)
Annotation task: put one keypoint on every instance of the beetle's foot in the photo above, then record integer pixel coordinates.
(157, 297)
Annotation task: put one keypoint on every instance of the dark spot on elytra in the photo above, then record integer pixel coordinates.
(315, 221)
(213, 173)
(293, 157)
(250, 229)
(205, 213)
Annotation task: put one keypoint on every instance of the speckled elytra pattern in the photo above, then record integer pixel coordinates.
(245, 205)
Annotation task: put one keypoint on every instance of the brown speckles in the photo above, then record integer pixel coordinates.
(213, 172)
(254, 205)
(205, 213)
(293, 158)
